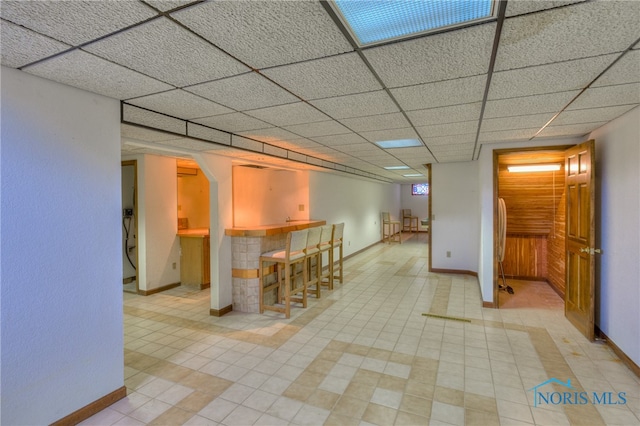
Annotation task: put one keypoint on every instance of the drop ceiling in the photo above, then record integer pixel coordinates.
(283, 82)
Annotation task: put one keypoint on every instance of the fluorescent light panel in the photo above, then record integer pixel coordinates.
(535, 168)
(396, 167)
(375, 21)
(413, 175)
(399, 143)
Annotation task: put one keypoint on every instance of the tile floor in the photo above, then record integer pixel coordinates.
(393, 345)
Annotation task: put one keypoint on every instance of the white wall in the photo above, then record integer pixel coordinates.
(356, 202)
(61, 296)
(455, 216)
(158, 245)
(419, 205)
(618, 184)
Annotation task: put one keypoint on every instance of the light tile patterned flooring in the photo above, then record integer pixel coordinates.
(362, 354)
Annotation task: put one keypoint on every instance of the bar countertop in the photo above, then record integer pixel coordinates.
(194, 232)
(275, 229)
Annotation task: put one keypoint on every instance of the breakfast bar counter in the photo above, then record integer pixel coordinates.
(247, 244)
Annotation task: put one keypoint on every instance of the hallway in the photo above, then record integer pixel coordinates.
(364, 353)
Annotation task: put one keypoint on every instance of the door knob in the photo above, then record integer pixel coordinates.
(590, 250)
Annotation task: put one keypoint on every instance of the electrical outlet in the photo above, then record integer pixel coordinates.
(173, 265)
(448, 254)
(300, 207)
(127, 212)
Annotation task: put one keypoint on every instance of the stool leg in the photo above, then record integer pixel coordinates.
(340, 262)
(287, 290)
(331, 268)
(305, 282)
(261, 287)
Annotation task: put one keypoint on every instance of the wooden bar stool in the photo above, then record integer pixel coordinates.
(289, 281)
(326, 237)
(391, 229)
(408, 221)
(312, 253)
(336, 243)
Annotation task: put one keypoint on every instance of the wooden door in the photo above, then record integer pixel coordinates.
(580, 237)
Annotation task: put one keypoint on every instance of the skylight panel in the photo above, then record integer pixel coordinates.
(374, 21)
(398, 143)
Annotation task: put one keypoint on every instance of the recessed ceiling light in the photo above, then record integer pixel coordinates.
(397, 167)
(414, 175)
(375, 21)
(399, 143)
(535, 168)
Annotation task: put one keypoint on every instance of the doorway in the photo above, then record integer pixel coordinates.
(129, 182)
(531, 272)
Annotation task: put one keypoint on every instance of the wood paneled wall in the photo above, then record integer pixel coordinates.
(556, 247)
(525, 256)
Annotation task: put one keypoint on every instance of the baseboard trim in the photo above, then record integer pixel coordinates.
(89, 410)
(488, 304)
(625, 359)
(158, 290)
(205, 286)
(454, 271)
(220, 312)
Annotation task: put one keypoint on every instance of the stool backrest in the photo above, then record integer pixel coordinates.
(338, 230)
(385, 217)
(406, 213)
(297, 241)
(313, 237)
(327, 233)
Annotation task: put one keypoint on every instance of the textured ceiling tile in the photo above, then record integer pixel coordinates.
(322, 128)
(234, 122)
(449, 114)
(551, 78)
(304, 143)
(344, 139)
(75, 22)
(508, 135)
(181, 104)
(454, 148)
(443, 93)
(552, 102)
(517, 122)
(577, 31)
(327, 77)
(376, 122)
(569, 130)
(243, 92)
(355, 148)
(267, 33)
(359, 105)
(623, 94)
(592, 115)
(167, 52)
(431, 58)
(274, 150)
(79, 69)
(165, 5)
(288, 115)
(626, 70)
(387, 135)
(152, 119)
(207, 133)
(21, 46)
(520, 7)
(451, 140)
(447, 129)
(191, 144)
(245, 143)
(142, 134)
(455, 158)
(271, 135)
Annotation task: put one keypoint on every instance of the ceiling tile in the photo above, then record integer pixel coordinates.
(267, 33)
(394, 120)
(244, 92)
(354, 148)
(213, 135)
(551, 102)
(322, 128)
(288, 115)
(79, 69)
(454, 148)
(168, 52)
(21, 46)
(623, 94)
(270, 135)
(562, 76)
(166, 5)
(152, 119)
(327, 77)
(516, 122)
(451, 140)
(75, 22)
(191, 144)
(569, 130)
(447, 129)
(246, 143)
(508, 135)
(181, 104)
(449, 114)
(128, 131)
(592, 115)
(387, 135)
(344, 139)
(454, 158)
(359, 105)
(443, 93)
(520, 7)
(626, 70)
(427, 59)
(234, 122)
(577, 31)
